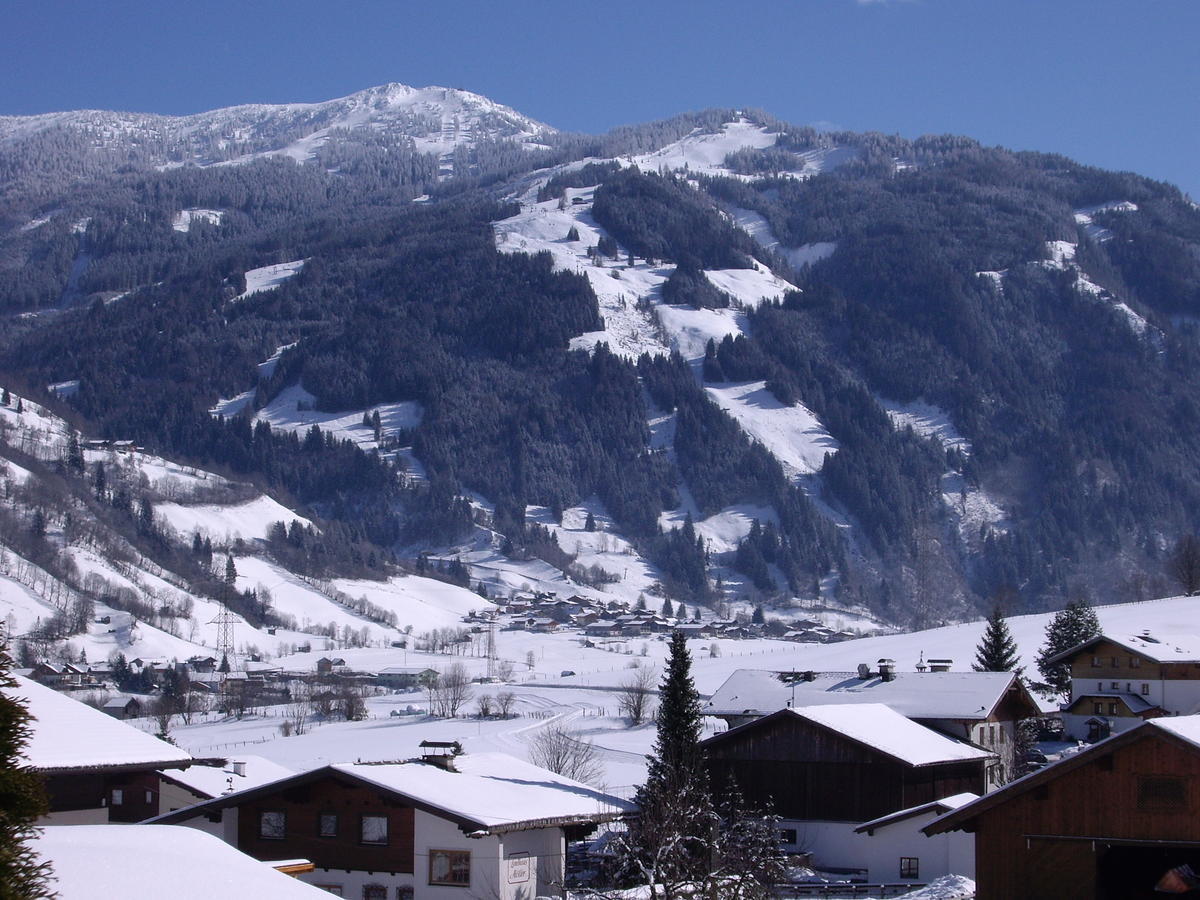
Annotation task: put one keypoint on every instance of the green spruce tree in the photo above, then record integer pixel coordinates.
(669, 844)
(22, 797)
(997, 651)
(1071, 626)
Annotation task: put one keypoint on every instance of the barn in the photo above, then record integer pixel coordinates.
(1105, 823)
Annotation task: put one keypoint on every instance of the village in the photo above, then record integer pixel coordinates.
(883, 780)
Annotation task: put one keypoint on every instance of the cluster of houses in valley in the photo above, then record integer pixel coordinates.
(615, 619)
(885, 777)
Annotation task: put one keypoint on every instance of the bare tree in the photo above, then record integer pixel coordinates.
(450, 691)
(1184, 564)
(351, 703)
(504, 703)
(633, 698)
(504, 670)
(484, 705)
(554, 749)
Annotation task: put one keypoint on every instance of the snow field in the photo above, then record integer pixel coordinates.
(792, 434)
(756, 225)
(225, 524)
(292, 411)
(268, 278)
(186, 218)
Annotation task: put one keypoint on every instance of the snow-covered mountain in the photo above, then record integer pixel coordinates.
(434, 120)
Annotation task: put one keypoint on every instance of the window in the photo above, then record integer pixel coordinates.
(118, 797)
(335, 889)
(1162, 793)
(787, 836)
(327, 825)
(1096, 662)
(1135, 662)
(1116, 662)
(404, 892)
(1098, 708)
(374, 892)
(1145, 687)
(149, 797)
(1112, 709)
(450, 867)
(1114, 686)
(272, 824)
(374, 829)
(910, 867)
(1099, 685)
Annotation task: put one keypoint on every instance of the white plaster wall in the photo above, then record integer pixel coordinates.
(830, 843)
(352, 882)
(548, 847)
(1181, 698)
(433, 833)
(942, 854)
(172, 797)
(1076, 727)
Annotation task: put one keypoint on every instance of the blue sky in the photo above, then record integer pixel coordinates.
(1114, 83)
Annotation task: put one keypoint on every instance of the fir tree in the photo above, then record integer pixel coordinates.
(5, 397)
(997, 651)
(230, 570)
(590, 524)
(670, 842)
(1070, 627)
(759, 617)
(22, 797)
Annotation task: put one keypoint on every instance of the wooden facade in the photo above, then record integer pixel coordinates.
(802, 771)
(304, 804)
(1104, 824)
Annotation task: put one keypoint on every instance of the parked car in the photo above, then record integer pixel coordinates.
(566, 673)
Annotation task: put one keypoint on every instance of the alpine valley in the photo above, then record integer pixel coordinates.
(347, 366)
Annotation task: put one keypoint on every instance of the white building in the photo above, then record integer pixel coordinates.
(1120, 680)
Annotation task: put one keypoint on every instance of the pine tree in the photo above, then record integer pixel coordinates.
(1070, 627)
(997, 651)
(590, 524)
(74, 455)
(668, 609)
(759, 617)
(671, 841)
(22, 797)
(5, 397)
(230, 570)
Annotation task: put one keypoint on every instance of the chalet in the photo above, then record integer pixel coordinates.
(603, 628)
(327, 664)
(1105, 823)
(1120, 680)
(469, 825)
(203, 664)
(826, 770)
(62, 676)
(981, 707)
(96, 769)
(122, 707)
(406, 678)
(138, 860)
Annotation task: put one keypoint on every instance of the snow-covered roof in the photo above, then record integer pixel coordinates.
(496, 790)
(182, 863)
(1184, 727)
(67, 734)
(488, 792)
(918, 695)
(1174, 648)
(945, 805)
(213, 781)
(887, 731)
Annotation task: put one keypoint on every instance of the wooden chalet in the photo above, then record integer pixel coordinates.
(1120, 680)
(449, 825)
(1105, 823)
(842, 763)
(826, 770)
(96, 769)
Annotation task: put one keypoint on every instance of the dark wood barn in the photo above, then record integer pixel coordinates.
(841, 763)
(1105, 823)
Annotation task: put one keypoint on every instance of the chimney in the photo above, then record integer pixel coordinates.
(440, 753)
(864, 671)
(810, 675)
(887, 669)
(940, 665)
(239, 768)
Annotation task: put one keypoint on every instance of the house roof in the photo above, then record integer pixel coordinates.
(489, 793)
(213, 781)
(1136, 703)
(182, 863)
(1184, 729)
(69, 735)
(119, 702)
(945, 805)
(879, 728)
(1177, 648)
(917, 695)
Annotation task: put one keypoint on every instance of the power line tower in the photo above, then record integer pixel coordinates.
(225, 621)
(491, 649)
